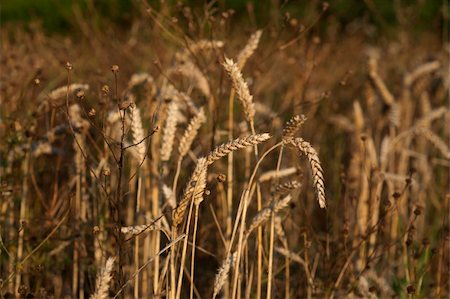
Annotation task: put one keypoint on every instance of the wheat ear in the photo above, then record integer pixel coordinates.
(191, 132)
(194, 190)
(62, 91)
(137, 133)
(241, 88)
(249, 49)
(265, 213)
(236, 144)
(136, 229)
(222, 274)
(103, 279)
(169, 131)
(191, 71)
(306, 149)
(286, 187)
(292, 126)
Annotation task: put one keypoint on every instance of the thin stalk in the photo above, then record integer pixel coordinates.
(271, 241)
(244, 202)
(193, 252)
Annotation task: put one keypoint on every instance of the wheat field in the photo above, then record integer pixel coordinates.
(189, 156)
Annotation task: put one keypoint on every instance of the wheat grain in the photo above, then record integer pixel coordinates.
(305, 148)
(236, 144)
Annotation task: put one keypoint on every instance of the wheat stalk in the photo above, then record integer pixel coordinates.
(305, 148)
(241, 88)
(103, 279)
(236, 144)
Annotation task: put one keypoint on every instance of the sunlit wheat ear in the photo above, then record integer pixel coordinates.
(420, 71)
(140, 78)
(169, 92)
(222, 274)
(279, 230)
(137, 133)
(249, 49)
(384, 92)
(169, 131)
(306, 149)
(271, 174)
(265, 213)
(265, 110)
(103, 279)
(196, 47)
(225, 149)
(286, 187)
(76, 119)
(191, 132)
(241, 88)
(137, 229)
(435, 140)
(204, 44)
(169, 196)
(191, 71)
(292, 126)
(194, 191)
(62, 91)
